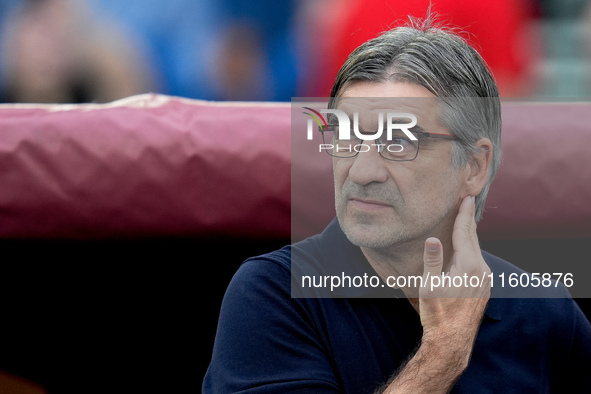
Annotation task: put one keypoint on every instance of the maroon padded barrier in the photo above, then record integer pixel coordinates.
(148, 165)
(154, 165)
(543, 188)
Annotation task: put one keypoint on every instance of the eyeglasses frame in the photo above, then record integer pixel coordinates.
(419, 134)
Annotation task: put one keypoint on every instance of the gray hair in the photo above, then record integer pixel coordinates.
(442, 62)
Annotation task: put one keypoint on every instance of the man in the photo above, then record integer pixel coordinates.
(408, 212)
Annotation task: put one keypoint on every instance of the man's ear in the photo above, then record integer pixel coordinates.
(479, 165)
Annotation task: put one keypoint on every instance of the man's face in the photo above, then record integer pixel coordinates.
(381, 203)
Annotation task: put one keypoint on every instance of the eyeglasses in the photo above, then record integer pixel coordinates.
(399, 148)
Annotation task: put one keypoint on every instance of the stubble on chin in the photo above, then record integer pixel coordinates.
(401, 225)
(366, 229)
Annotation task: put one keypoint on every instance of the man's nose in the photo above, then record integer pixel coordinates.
(368, 165)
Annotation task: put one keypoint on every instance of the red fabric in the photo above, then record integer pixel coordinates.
(161, 166)
(497, 29)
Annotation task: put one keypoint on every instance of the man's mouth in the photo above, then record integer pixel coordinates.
(367, 204)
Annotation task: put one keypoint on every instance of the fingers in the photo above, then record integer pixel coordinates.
(432, 258)
(455, 302)
(464, 230)
(465, 219)
(467, 259)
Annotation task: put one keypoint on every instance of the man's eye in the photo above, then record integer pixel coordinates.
(400, 141)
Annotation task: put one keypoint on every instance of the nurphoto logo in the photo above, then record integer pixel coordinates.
(344, 125)
(396, 122)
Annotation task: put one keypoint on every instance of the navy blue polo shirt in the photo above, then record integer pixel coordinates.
(270, 342)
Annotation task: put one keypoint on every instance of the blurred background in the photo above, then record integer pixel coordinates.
(75, 51)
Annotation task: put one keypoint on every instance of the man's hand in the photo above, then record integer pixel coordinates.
(459, 309)
(450, 316)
